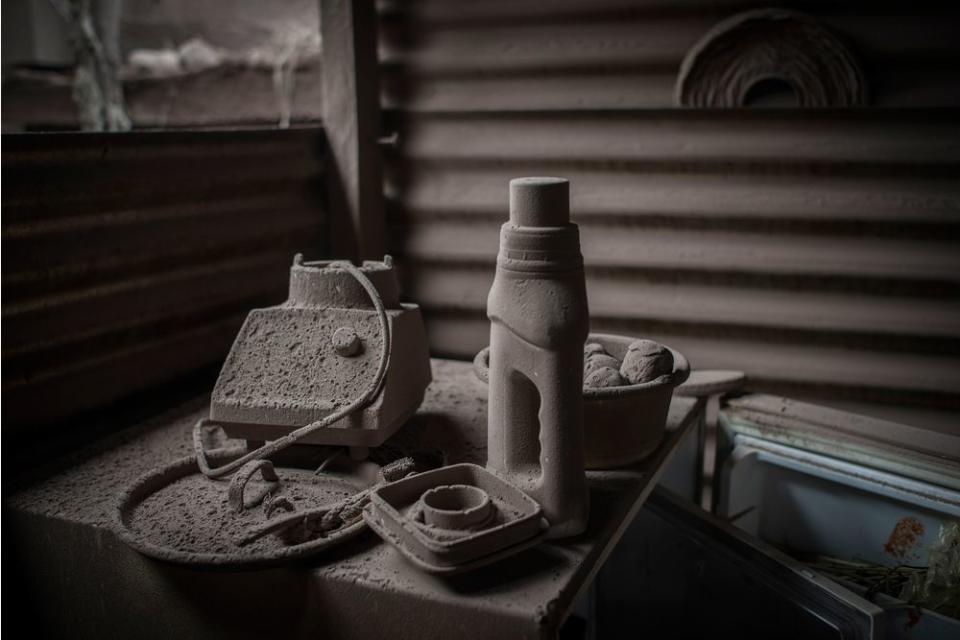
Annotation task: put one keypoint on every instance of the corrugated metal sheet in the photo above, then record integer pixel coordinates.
(818, 250)
(131, 259)
(494, 55)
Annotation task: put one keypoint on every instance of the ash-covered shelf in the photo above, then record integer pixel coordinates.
(88, 579)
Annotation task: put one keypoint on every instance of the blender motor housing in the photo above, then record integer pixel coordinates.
(296, 363)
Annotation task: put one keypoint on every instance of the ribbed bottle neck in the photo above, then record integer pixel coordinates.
(539, 249)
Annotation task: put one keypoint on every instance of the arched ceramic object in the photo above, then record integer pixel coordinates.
(765, 44)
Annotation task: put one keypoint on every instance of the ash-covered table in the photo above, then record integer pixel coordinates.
(74, 574)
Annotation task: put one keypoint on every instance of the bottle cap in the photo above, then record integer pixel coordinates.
(540, 202)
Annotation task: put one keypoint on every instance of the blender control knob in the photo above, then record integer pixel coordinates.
(346, 342)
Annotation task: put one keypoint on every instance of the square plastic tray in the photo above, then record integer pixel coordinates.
(393, 508)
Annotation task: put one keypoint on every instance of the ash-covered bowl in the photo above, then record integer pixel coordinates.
(622, 424)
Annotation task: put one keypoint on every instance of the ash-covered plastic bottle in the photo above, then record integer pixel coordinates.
(538, 324)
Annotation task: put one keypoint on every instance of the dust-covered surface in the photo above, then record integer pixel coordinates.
(87, 492)
(535, 588)
(284, 360)
(190, 515)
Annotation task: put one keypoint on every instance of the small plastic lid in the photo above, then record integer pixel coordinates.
(540, 202)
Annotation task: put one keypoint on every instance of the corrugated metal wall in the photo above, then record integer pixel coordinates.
(132, 259)
(818, 250)
(498, 55)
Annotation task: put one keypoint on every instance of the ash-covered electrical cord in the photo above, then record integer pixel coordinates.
(322, 520)
(293, 437)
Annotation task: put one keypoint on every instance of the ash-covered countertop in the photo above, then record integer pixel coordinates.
(350, 591)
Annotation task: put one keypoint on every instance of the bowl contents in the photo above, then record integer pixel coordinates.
(644, 361)
(599, 361)
(602, 377)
